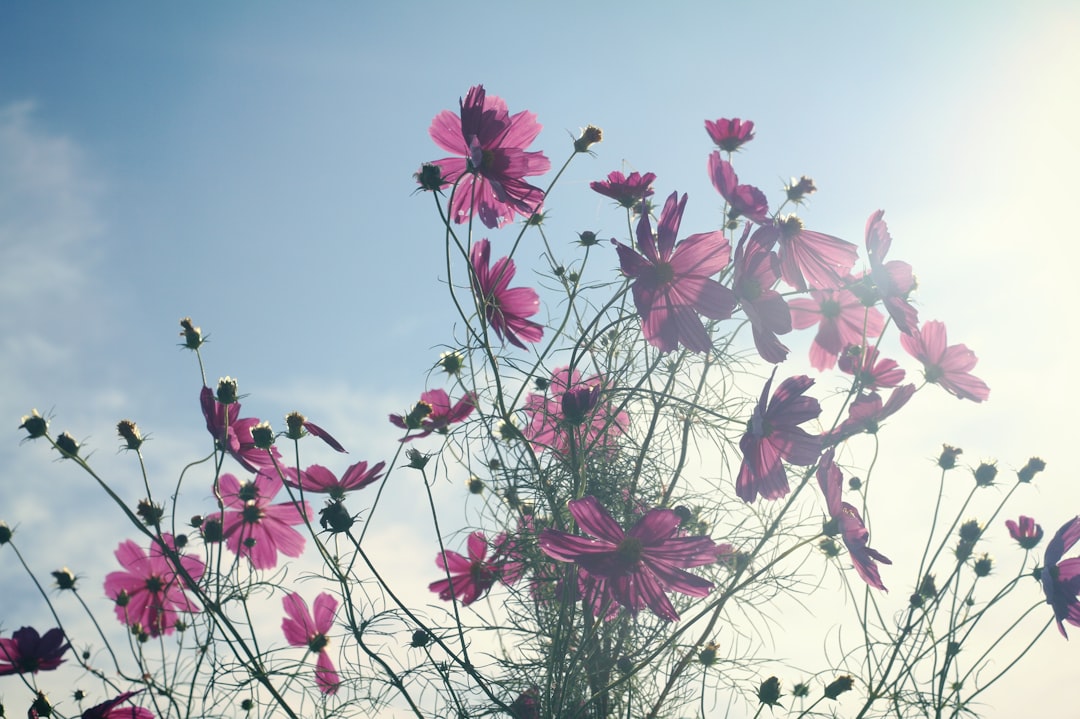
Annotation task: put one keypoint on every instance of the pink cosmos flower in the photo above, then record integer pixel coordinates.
(469, 578)
(947, 365)
(30, 652)
(773, 436)
(842, 320)
(755, 272)
(730, 135)
(870, 373)
(149, 593)
(505, 308)
(867, 413)
(1027, 534)
(636, 566)
(233, 434)
(317, 478)
(892, 281)
(112, 709)
(850, 524)
(252, 526)
(571, 409)
(301, 629)
(493, 159)
(808, 260)
(434, 413)
(628, 191)
(672, 285)
(1061, 578)
(743, 200)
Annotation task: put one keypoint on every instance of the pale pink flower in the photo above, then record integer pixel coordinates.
(842, 320)
(944, 364)
(850, 524)
(572, 409)
(505, 308)
(255, 528)
(302, 629)
(149, 593)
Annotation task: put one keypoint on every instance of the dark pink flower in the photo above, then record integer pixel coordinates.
(891, 282)
(493, 162)
(317, 478)
(755, 272)
(672, 285)
(112, 709)
(28, 652)
(149, 593)
(1027, 534)
(743, 200)
(469, 578)
(870, 374)
(233, 434)
(842, 320)
(252, 526)
(808, 260)
(627, 190)
(572, 409)
(850, 524)
(301, 629)
(636, 566)
(773, 437)
(867, 413)
(434, 413)
(505, 308)
(947, 365)
(730, 135)
(1061, 578)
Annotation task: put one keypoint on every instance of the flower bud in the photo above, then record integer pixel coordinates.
(41, 706)
(334, 518)
(192, 335)
(122, 598)
(36, 425)
(129, 432)
(420, 639)
(769, 692)
(451, 362)
(247, 705)
(970, 531)
(985, 474)
(928, 587)
(983, 565)
(67, 446)
(854, 484)
(588, 238)
(429, 178)
(708, 654)
(475, 485)
(589, 136)
(415, 417)
(150, 513)
(838, 686)
(417, 459)
(797, 190)
(536, 219)
(1029, 470)
(212, 531)
(262, 435)
(800, 690)
(5, 533)
(829, 547)
(226, 391)
(947, 459)
(65, 579)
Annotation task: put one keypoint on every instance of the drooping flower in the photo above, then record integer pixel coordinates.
(947, 365)
(299, 425)
(850, 524)
(756, 270)
(433, 413)
(891, 282)
(302, 629)
(870, 373)
(572, 410)
(112, 709)
(469, 578)
(233, 433)
(317, 478)
(842, 320)
(253, 527)
(493, 164)
(628, 190)
(1061, 578)
(808, 260)
(730, 135)
(149, 593)
(30, 652)
(1026, 533)
(505, 308)
(637, 566)
(773, 437)
(672, 285)
(867, 412)
(743, 200)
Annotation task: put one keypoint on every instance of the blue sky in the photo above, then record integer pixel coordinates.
(251, 166)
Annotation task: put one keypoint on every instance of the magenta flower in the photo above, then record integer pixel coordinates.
(493, 162)
(842, 320)
(892, 281)
(672, 285)
(316, 431)
(149, 593)
(1027, 534)
(773, 436)
(850, 524)
(730, 135)
(29, 652)
(947, 365)
(743, 200)
(233, 434)
(434, 413)
(755, 272)
(252, 526)
(636, 566)
(469, 578)
(628, 190)
(808, 260)
(317, 478)
(301, 629)
(112, 709)
(867, 413)
(870, 373)
(1061, 579)
(505, 308)
(571, 410)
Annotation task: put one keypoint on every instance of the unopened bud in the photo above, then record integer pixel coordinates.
(262, 435)
(589, 136)
(1029, 470)
(985, 474)
(65, 579)
(129, 432)
(947, 459)
(769, 692)
(35, 425)
(838, 686)
(67, 445)
(192, 335)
